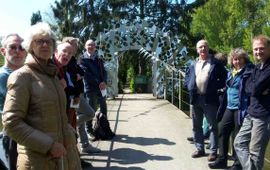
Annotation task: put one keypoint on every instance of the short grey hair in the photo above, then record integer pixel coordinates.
(5, 38)
(39, 29)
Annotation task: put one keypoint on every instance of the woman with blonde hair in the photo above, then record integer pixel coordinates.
(35, 108)
(235, 103)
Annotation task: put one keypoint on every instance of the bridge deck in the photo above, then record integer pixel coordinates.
(151, 135)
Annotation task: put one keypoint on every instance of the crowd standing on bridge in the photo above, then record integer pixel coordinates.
(46, 97)
(50, 95)
(243, 108)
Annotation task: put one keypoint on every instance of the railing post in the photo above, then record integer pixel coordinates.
(180, 91)
(165, 86)
(172, 86)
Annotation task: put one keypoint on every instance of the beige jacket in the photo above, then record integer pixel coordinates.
(35, 117)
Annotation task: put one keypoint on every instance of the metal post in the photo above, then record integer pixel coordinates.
(165, 85)
(180, 91)
(172, 86)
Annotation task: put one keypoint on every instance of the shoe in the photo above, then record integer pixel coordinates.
(191, 139)
(90, 149)
(235, 167)
(85, 164)
(212, 157)
(218, 164)
(198, 154)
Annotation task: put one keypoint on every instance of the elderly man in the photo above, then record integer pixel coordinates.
(203, 79)
(251, 142)
(95, 79)
(14, 56)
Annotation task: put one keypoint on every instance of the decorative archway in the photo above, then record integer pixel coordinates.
(165, 50)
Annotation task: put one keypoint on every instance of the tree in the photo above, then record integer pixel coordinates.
(36, 17)
(229, 24)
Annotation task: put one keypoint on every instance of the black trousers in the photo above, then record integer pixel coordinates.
(228, 126)
(11, 153)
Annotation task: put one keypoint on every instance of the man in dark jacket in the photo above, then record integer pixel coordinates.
(95, 78)
(251, 142)
(203, 79)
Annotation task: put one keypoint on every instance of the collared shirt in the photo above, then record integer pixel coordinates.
(202, 68)
(91, 56)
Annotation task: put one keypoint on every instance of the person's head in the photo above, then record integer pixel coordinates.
(63, 53)
(261, 48)
(90, 46)
(202, 49)
(238, 58)
(222, 58)
(13, 51)
(74, 42)
(40, 41)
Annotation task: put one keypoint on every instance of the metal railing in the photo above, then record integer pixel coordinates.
(174, 91)
(176, 94)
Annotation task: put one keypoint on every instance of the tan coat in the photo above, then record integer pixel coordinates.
(35, 117)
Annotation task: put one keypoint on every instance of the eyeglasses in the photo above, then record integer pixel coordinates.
(15, 47)
(42, 41)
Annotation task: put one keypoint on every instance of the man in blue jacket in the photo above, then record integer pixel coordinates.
(203, 79)
(14, 56)
(251, 142)
(95, 78)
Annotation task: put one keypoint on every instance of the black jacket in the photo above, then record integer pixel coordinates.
(258, 87)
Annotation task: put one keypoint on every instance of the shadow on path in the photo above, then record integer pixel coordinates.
(142, 140)
(126, 156)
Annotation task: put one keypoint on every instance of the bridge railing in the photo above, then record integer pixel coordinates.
(174, 90)
(176, 94)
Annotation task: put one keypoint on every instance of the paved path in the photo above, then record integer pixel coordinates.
(151, 135)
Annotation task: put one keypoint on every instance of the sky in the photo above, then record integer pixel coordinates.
(15, 15)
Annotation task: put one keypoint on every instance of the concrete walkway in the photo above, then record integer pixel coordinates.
(151, 135)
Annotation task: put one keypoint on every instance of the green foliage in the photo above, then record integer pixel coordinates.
(36, 17)
(229, 24)
(132, 85)
(131, 78)
(1, 60)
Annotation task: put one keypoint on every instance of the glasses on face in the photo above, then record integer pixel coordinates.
(16, 47)
(40, 42)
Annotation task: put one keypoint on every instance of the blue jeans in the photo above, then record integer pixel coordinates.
(251, 142)
(199, 110)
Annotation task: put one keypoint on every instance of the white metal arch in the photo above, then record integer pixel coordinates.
(164, 49)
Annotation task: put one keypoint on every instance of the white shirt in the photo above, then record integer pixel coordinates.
(202, 69)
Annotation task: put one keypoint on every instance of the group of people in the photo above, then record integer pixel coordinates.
(235, 103)
(47, 95)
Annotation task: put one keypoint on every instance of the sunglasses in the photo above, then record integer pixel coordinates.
(16, 48)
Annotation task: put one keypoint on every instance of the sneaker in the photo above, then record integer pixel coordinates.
(198, 154)
(90, 149)
(190, 139)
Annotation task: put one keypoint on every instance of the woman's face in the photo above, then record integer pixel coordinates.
(238, 62)
(42, 47)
